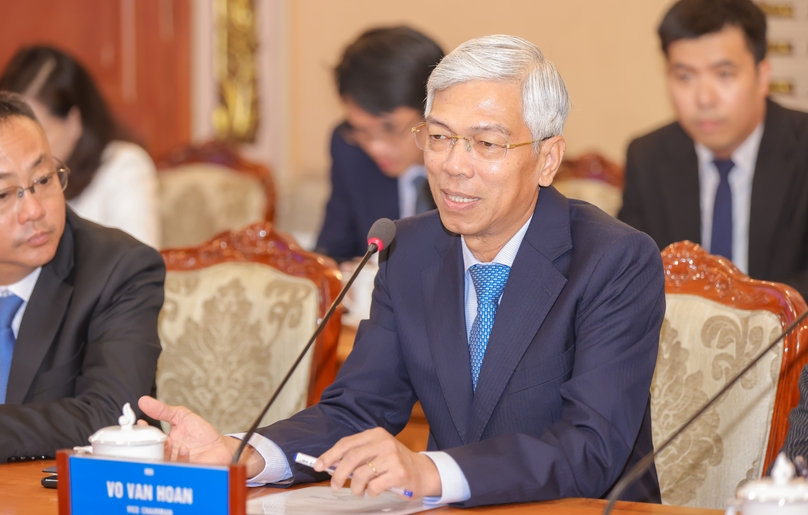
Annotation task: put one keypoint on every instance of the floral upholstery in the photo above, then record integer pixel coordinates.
(200, 200)
(704, 344)
(229, 334)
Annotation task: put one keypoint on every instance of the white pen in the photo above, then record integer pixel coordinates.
(305, 459)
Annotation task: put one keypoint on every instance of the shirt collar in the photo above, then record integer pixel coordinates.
(24, 287)
(744, 156)
(411, 173)
(505, 256)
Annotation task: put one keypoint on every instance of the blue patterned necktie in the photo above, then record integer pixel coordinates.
(721, 239)
(489, 282)
(8, 308)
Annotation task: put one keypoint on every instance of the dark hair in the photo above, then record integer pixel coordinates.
(689, 19)
(11, 104)
(387, 68)
(61, 83)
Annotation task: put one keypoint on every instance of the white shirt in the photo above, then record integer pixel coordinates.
(454, 485)
(123, 193)
(407, 192)
(22, 289)
(740, 184)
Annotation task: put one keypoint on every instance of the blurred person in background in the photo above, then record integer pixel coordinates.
(377, 171)
(113, 182)
(731, 173)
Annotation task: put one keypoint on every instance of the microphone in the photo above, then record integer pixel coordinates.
(380, 235)
(642, 466)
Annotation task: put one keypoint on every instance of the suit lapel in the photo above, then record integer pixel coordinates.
(444, 289)
(770, 187)
(43, 317)
(679, 178)
(532, 288)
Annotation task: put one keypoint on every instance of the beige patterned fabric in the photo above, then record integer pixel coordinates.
(703, 345)
(229, 334)
(605, 196)
(200, 200)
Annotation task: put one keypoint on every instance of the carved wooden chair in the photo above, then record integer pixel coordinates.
(238, 310)
(717, 320)
(207, 189)
(593, 178)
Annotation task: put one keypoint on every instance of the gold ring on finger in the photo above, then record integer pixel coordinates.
(369, 464)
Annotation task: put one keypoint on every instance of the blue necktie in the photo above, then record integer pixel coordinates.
(8, 308)
(489, 282)
(721, 239)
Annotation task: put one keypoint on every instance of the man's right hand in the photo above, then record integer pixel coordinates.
(193, 439)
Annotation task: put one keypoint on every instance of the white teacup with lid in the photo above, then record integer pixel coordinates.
(128, 440)
(782, 494)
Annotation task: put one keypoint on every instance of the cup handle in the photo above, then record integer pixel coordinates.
(733, 507)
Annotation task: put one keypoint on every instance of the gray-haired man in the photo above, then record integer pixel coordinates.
(526, 324)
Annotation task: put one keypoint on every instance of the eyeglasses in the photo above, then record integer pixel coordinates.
(485, 146)
(46, 186)
(388, 133)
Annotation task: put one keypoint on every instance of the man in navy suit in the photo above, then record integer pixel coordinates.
(526, 324)
(376, 171)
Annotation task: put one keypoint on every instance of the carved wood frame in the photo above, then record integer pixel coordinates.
(261, 243)
(592, 166)
(689, 269)
(221, 153)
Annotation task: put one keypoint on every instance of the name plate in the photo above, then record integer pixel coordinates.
(115, 486)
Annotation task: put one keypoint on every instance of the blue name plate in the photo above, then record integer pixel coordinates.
(111, 486)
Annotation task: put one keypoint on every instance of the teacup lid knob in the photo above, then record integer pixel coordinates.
(782, 471)
(127, 420)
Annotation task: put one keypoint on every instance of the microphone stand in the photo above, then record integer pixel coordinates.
(372, 249)
(644, 464)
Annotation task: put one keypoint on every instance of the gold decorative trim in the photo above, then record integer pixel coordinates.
(781, 87)
(780, 48)
(777, 10)
(236, 117)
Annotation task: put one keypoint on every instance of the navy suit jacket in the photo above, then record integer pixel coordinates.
(562, 401)
(360, 195)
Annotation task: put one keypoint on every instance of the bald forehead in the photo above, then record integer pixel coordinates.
(23, 146)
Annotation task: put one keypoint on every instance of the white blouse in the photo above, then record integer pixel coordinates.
(123, 193)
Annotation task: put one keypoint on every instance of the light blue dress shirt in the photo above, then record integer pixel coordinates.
(407, 193)
(740, 183)
(22, 289)
(454, 485)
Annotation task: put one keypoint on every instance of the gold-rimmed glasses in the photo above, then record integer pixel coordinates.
(44, 186)
(484, 146)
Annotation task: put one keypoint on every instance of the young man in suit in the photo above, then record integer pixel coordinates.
(732, 172)
(78, 304)
(526, 324)
(376, 171)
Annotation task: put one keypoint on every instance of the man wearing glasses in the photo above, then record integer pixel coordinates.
(376, 172)
(78, 304)
(526, 324)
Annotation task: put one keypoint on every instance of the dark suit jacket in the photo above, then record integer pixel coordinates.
(87, 343)
(562, 401)
(661, 196)
(360, 195)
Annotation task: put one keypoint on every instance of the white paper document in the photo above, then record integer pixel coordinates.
(321, 500)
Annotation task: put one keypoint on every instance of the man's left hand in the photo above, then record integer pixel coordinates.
(378, 462)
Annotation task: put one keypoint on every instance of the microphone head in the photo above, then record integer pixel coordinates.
(382, 233)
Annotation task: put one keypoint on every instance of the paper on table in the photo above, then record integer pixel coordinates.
(321, 500)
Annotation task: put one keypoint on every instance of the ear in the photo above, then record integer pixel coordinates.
(551, 152)
(764, 73)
